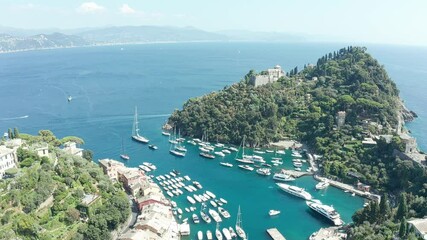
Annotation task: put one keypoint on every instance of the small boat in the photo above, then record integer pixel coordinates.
(223, 200)
(177, 153)
(207, 155)
(124, 155)
(191, 200)
(153, 147)
(273, 212)
(218, 233)
(205, 217)
(223, 212)
(150, 165)
(226, 164)
(233, 149)
(192, 142)
(246, 167)
(264, 171)
(166, 133)
(298, 169)
(169, 193)
(197, 184)
(209, 235)
(186, 177)
(297, 164)
(226, 233)
(214, 214)
(269, 151)
(200, 235)
(353, 194)
(187, 209)
(244, 160)
(69, 98)
(221, 154)
(213, 203)
(281, 152)
(322, 185)
(232, 232)
(259, 152)
(219, 145)
(179, 210)
(197, 198)
(211, 194)
(226, 151)
(181, 149)
(196, 219)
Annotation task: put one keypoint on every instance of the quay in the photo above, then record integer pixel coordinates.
(296, 174)
(331, 233)
(275, 234)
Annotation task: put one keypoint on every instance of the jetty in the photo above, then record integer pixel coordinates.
(296, 174)
(275, 234)
(331, 233)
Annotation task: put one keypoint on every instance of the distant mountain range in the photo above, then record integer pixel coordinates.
(12, 39)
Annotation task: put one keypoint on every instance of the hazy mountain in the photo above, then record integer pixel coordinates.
(40, 41)
(243, 35)
(139, 34)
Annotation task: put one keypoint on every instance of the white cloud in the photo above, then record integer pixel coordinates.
(90, 7)
(125, 9)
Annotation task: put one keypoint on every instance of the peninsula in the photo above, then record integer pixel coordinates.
(344, 108)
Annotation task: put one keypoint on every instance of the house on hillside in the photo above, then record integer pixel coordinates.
(269, 76)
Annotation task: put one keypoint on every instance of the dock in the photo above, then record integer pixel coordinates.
(275, 234)
(296, 174)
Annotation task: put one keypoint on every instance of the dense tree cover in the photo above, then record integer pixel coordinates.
(43, 200)
(303, 105)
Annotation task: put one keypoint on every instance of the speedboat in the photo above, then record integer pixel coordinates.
(205, 217)
(273, 212)
(283, 177)
(197, 184)
(207, 155)
(166, 133)
(124, 156)
(293, 190)
(233, 149)
(221, 154)
(223, 200)
(181, 149)
(150, 165)
(232, 232)
(191, 200)
(211, 194)
(322, 185)
(218, 234)
(327, 211)
(297, 164)
(264, 171)
(195, 218)
(219, 145)
(226, 151)
(223, 212)
(214, 214)
(226, 164)
(177, 153)
(246, 167)
(153, 147)
(213, 203)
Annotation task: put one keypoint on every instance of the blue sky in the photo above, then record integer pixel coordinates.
(378, 21)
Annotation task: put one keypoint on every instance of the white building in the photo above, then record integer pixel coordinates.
(269, 76)
(8, 159)
(71, 148)
(420, 227)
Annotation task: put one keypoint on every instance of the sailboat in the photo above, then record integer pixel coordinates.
(135, 130)
(239, 230)
(124, 155)
(218, 233)
(243, 159)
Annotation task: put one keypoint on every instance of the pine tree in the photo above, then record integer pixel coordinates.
(15, 133)
(402, 228)
(402, 210)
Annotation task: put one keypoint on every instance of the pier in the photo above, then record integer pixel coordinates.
(275, 234)
(296, 174)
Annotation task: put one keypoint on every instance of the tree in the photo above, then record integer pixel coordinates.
(10, 133)
(87, 154)
(402, 210)
(402, 228)
(384, 208)
(15, 133)
(72, 215)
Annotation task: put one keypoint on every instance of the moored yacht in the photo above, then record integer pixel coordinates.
(226, 233)
(195, 218)
(246, 167)
(207, 155)
(327, 211)
(214, 214)
(322, 185)
(223, 212)
(281, 176)
(296, 191)
(264, 171)
(135, 130)
(200, 235)
(273, 212)
(209, 235)
(226, 164)
(177, 153)
(205, 217)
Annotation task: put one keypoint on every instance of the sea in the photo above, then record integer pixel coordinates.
(107, 83)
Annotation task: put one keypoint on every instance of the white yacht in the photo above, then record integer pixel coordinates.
(195, 218)
(135, 130)
(322, 185)
(197, 184)
(226, 151)
(239, 230)
(223, 212)
(209, 235)
(205, 217)
(283, 177)
(200, 235)
(191, 200)
(221, 154)
(226, 233)
(327, 211)
(232, 232)
(177, 153)
(293, 190)
(297, 164)
(246, 167)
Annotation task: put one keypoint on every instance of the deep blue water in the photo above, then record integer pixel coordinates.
(107, 82)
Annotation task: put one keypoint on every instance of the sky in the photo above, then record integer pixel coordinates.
(371, 21)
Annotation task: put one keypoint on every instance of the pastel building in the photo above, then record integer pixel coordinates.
(8, 159)
(269, 76)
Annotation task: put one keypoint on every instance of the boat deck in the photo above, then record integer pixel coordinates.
(275, 234)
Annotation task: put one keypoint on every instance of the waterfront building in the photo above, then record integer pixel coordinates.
(71, 148)
(269, 76)
(42, 149)
(420, 227)
(111, 168)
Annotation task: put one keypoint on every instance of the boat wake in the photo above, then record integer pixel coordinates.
(14, 118)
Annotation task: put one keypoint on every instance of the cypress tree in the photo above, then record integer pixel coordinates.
(10, 133)
(402, 228)
(384, 208)
(296, 70)
(15, 133)
(402, 210)
(374, 213)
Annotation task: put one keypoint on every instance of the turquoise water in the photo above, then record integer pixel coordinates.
(106, 83)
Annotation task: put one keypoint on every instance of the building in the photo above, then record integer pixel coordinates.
(340, 118)
(268, 76)
(410, 143)
(71, 148)
(42, 149)
(420, 227)
(8, 159)
(111, 168)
